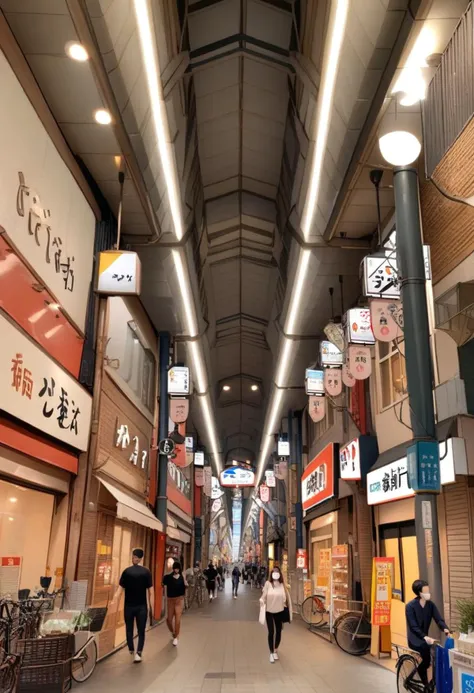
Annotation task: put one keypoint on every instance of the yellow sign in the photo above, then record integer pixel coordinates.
(382, 571)
(119, 273)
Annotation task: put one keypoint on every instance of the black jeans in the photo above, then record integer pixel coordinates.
(275, 626)
(138, 614)
(235, 587)
(425, 652)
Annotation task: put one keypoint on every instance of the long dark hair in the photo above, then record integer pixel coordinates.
(280, 579)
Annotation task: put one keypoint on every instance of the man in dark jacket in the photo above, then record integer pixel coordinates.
(235, 581)
(420, 612)
(211, 575)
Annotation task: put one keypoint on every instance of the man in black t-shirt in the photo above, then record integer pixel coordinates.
(137, 584)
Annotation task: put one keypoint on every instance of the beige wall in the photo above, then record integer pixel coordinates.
(57, 542)
(390, 432)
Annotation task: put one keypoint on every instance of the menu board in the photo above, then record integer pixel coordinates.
(340, 578)
(324, 572)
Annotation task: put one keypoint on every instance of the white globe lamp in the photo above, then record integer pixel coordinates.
(399, 147)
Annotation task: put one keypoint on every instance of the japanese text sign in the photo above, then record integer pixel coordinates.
(178, 380)
(382, 581)
(349, 460)
(424, 466)
(314, 382)
(347, 377)
(317, 481)
(135, 448)
(119, 273)
(39, 392)
(359, 326)
(270, 478)
(42, 209)
(360, 362)
(317, 407)
(381, 274)
(333, 381)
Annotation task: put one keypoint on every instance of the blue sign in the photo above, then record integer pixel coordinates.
(423, 467)
(467, 683)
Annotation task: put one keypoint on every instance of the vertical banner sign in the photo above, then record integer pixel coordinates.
(208, 481)
(387, 319)
(264, 493)
(347, 377)
(302, 559)
(332, 381)
(317, 407)
(360, 362)
(382, 580)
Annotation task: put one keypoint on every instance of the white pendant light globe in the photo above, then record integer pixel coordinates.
(400, 148)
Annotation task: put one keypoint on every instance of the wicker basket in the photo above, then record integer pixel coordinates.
(45, 665)
(97, 616)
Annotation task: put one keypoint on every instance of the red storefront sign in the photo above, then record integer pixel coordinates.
(11, 561)
(302, 559)
(317, 482)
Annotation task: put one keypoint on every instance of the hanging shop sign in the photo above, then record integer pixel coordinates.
(387, 319)
(381, 274)
(281, 469)
(119, 273)
(424, 466)
(216, 490)
(318, 479)
(199, 477)
(335, 334)
(356, 457)
(166, 446)
(199, 458)
(178, 381)
(179, 410)
(333, 381)
(359, 326)
(302, 559)
(383, 570)
(317, 407)
(283, 448)
(347, 377)
(43, 212)
(314, 381)
(331, 355)
(390, 483)
(264, 493)
(360, 362)
(189, 450)
(208, 481)
(270, 478)
(235, 477)
(39, 392)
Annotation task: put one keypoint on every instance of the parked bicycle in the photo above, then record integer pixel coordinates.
(84, 659)
(314, 612)
(351, 628)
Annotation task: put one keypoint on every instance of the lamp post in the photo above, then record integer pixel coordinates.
(401, 149)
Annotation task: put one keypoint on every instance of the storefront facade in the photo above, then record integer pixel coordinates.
(46, 251)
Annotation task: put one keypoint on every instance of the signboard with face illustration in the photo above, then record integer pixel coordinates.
(43, 212)
(387, 319)
(359, 327)
(317, 407)
(333, 381)
(360, 362)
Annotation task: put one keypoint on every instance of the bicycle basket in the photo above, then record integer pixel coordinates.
(97, 616)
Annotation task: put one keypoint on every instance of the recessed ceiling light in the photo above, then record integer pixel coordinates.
(10, 519)
(76, 51)
(102, 116)
(226, 388)
(254, 388)
(13, 500)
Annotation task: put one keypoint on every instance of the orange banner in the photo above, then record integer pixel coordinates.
(382, 580)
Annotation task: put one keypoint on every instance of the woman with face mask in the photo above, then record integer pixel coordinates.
(175, 584)
(277, 604)
(420, 612)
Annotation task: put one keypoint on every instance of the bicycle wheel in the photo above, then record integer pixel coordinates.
(83, 667)
(313, 610)
(406, 670)
(352, 634)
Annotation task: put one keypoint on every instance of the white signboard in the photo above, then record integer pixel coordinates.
(359, 326)
(330, 354)
(270, 478)
(119, 273)
(237, 476)
(216, 491)
(314, 382)
(349, 461)
(381, 274)
(283, 448)
(390, 483)
(178, 380)
(199, 458)
(39, 392)
(42, 209)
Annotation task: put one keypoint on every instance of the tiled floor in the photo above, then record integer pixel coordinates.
(223, 649)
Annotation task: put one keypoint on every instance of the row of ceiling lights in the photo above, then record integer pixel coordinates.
(76, 51)
(227, 388)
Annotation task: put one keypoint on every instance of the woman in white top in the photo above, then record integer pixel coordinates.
(275, 598)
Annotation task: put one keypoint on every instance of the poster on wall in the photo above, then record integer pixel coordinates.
(10, 573)
(382, 581)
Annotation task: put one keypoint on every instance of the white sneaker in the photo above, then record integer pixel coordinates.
(210, 597)
(235, 596)
(137, 658)
(272, 658)
(275, 656)
(175, 642)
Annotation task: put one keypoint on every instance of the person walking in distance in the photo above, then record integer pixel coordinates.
(211, 575)
(235, 581)
(175, 584)
(277, 604)
(137, 582)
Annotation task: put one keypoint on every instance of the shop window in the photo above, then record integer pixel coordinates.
(138, 367)
(392, 377)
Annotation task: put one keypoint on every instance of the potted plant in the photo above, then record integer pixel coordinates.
(466, 613)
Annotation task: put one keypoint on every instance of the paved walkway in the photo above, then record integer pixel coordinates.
(223, 649)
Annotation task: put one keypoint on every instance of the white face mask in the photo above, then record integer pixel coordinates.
(426, 596)
(276, 576)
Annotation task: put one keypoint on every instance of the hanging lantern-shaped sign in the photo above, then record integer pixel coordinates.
(332, 381)
(347, 377)
(281, 469)
(179, 410)
(264, 493)
(385, 316)
(199, 476)
(360, 362)
(317, 407)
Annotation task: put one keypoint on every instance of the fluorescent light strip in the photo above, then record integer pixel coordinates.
(158, 110)
(188, 303)
(284, 362)
(206, 410)
(199, 370)
(338, 26)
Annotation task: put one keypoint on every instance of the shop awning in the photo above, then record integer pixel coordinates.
(173, 531)
(132, 509)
